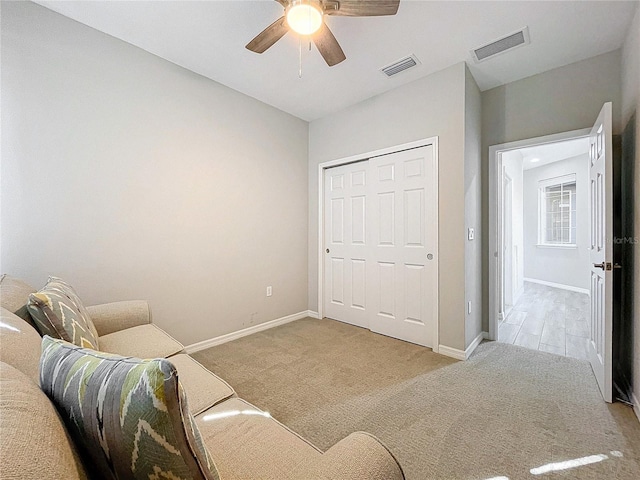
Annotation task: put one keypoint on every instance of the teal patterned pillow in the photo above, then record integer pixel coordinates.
(57, 311)
(128, 416)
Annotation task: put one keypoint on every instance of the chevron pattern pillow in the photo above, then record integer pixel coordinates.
(57, 311)
(128, 416)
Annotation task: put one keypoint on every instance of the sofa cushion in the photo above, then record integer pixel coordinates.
(20, 344)
(128, 416)
(58, 312)
(203, 388)
(35, 444)
(116, 316)
(247, 443)
(143, 341)
(14, 295)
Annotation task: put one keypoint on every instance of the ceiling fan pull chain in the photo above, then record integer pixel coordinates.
(300, 59)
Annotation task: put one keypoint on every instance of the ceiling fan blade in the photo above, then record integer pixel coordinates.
(269, 36)
(328, 46)
(364, 8)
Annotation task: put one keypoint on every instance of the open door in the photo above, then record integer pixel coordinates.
(601, 251)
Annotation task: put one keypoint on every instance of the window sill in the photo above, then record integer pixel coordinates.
(560, 246)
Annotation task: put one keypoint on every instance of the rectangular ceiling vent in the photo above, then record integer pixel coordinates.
(400, 66)
(502, 45)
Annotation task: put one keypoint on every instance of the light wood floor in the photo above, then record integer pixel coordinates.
(549, 319)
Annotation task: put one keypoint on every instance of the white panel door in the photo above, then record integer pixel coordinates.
(403, 276)
(601, 251)
(346, 243)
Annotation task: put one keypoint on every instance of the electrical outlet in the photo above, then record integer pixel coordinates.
(472, 234)
(269, 291)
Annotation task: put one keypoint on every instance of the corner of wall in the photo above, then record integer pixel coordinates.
(473, 307)
(630, 66)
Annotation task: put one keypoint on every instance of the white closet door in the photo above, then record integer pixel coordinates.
(346, 243)
(403, 277)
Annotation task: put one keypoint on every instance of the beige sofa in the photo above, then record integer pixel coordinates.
(244, 442)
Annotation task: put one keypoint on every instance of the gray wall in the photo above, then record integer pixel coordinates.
(560, 100)
(566, 266)
(472, 207)
(134, 178)
(431, 106)
(631, 106)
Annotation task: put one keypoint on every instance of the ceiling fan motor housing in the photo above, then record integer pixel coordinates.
(304, 16)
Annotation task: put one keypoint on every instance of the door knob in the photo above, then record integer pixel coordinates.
(603, 265)
(327, 250)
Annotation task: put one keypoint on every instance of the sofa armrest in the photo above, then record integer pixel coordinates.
(116, 316)
(356, 457)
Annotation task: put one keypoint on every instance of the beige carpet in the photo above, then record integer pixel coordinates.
(505, 411)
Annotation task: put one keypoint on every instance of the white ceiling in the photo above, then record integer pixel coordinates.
(534, 157)
(208, 37)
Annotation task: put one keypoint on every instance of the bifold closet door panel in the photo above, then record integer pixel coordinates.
(346, 243)
(404, 274)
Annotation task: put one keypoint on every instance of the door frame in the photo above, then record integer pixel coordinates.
(495, 215)
(358, 158)
(507, 215)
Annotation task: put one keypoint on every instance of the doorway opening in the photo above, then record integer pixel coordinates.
(558, 227)
(543, 275)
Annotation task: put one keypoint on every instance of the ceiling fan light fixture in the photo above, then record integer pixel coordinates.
(304, 16)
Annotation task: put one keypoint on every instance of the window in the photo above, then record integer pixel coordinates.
(557, 211)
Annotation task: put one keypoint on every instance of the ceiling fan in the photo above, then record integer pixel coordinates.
(306, 17)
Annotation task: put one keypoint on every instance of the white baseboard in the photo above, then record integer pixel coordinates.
(558, 285)
(473, 345)
(636, 405)
(212, 342)
(451, 352)
(462, 354)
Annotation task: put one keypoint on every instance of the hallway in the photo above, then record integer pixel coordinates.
(550, 320)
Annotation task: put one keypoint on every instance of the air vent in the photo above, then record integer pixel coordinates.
(400, 66)
(502, 45)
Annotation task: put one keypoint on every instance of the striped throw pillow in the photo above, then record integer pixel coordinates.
(57, 311)
(128, 416)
